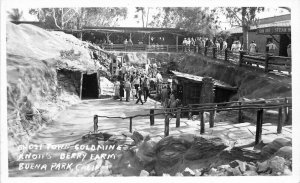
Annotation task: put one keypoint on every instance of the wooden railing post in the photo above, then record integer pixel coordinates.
(166, 125)
(240, 113)
(212, 117)
(95, 123)
(259, 123)
(226, 55)
(151, 117)
(267, 62)
(202, 124)
(279, 124)
(130, 125)
(178, 117)
(241, 57)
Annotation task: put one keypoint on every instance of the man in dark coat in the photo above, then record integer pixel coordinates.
(121, 90)
(140, 92)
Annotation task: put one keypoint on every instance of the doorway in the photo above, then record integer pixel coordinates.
(90, 86)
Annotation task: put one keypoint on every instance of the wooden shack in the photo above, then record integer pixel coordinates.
(189, 87)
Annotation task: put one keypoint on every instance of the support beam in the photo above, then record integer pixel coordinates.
(81, 82)
(178, 117)
(130, 125)
(167, 125)
(176, 43)
(259, 123)
(202, 124)
(151, 117)
(95, 123)
(280, 121)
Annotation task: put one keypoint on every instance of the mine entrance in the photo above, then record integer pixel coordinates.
(90, 86)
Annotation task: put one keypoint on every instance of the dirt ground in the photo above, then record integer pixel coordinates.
(77, 120)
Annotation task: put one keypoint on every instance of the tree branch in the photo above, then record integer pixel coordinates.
(236, 16)
(55, 21)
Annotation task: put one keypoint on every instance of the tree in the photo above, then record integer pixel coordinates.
(142, 11)
(15, 14)
(76, 18)
(243, 17)
(197, 20)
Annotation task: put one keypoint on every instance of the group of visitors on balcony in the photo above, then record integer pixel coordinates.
(191, 44)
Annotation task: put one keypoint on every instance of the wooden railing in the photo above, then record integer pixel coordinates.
(284, 106)
(263, 61)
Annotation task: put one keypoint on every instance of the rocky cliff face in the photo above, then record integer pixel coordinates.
(33, 96)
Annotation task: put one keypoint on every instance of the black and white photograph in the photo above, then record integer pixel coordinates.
(149, 90)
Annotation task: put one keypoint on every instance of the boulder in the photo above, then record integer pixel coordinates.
(277, 165)
(268, 150)
(178, 174)
(285, 152)
(262, 167)
(137, 137)
(188, 172)
(204, 148)
(250, 173)
(144, 173)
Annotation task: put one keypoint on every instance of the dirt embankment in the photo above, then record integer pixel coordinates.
(251, 83)
(33, 56)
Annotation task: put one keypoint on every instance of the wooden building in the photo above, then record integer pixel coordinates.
(276, 29)
(189, 88)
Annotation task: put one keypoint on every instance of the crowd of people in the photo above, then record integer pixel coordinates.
(194, 44)
(136, 82)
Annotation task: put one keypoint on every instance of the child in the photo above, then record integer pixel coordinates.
(140, 92)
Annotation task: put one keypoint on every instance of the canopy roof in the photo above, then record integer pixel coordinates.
(174, 31)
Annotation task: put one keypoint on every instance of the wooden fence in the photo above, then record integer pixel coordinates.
(263, 61)
(284, 107)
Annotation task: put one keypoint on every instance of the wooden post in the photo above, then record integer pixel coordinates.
(286, 111)
(226, 55)
(130, 125)
(166, 125)
(151, 117)
(212, 117)
(202, 124)
(149, 38)
(259, 123)
(95, 123)
(178, 117)
(267, 62)
(279, 124)
(176, 43)
(81, 82)
(240, 113)
(214, 52)
(241, 57)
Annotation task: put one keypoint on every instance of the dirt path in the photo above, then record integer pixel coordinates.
(76, 121)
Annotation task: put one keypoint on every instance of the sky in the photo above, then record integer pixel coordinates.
(132, 22)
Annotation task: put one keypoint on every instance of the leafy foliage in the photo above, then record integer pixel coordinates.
(75, 18)
(194, 19)
(15, 14)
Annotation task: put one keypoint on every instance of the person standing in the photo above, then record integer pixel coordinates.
(146, 89)
(218, 45)
(272, 48)
(252, 47)
(140, 92)
(136, 84)
(184, 44)
(224, 47)
(127, 89)
(121, 90)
